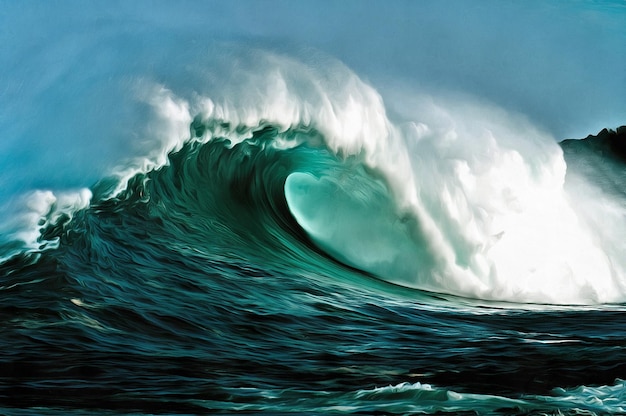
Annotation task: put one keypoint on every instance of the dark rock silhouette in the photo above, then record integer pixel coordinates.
(601, 159)
(607, 143)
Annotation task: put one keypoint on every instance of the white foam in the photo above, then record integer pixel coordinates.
(36, 210)
(591, 399)
(494, 183)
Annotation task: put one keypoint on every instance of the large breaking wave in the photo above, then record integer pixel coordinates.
(442, 194)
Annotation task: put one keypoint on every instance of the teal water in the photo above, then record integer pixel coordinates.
(197, 218)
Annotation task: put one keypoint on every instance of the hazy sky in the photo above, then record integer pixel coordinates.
(561, 63)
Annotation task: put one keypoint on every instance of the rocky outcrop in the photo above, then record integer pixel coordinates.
(601, 159)
(607, 143)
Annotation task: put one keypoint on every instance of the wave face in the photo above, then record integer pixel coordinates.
(266, 233)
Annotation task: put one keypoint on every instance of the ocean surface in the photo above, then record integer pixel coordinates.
(192, 226)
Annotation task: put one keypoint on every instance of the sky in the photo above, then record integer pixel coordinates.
(560, 63)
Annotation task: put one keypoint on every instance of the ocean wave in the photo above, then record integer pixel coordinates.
(457, 198)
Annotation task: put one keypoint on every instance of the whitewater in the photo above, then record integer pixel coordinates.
(227, 227)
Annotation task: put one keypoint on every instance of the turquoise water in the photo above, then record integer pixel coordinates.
(194, 224)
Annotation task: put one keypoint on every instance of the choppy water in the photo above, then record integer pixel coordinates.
(264, 233)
